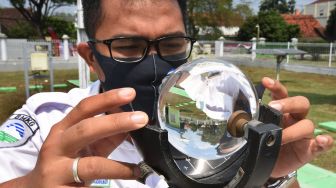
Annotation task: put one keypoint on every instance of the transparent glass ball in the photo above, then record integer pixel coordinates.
(196, 102)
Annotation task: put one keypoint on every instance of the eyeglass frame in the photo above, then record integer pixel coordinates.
(155, 43)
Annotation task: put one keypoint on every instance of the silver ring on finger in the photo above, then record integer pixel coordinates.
(75, 171)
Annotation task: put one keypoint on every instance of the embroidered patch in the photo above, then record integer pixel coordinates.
(17, 130)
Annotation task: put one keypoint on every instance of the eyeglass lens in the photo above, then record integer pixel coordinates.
(133, 49)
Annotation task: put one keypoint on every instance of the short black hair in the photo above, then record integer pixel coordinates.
(92, 13)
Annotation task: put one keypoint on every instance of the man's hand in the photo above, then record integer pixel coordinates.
(87, 134)
(299, 146)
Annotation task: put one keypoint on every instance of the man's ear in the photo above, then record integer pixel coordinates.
(86, 53)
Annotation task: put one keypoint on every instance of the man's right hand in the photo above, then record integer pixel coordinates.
(87, 134)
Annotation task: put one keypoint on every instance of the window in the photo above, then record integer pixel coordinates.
(322, 12)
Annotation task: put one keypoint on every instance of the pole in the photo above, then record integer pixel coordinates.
(254, 47)
(3, 46)
(279, 58)
(258, 32)
(219, 44)
(26, 69)
(51, 68)
(66, 47)
(288, 47)
(83, 69)
(330, 54)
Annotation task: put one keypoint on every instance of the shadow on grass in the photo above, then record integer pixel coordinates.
(316, 98)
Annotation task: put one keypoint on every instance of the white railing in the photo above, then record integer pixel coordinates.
(318, 54)
(12, 49)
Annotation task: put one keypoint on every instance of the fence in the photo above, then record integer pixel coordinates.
(318, 54)
(13, 49)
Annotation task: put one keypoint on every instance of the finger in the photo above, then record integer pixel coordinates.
(297, 107)
(98, 104)
(278, 91)
(92, 129)
(301, 130)
(105, 146)
(321, 143)
(91, 168)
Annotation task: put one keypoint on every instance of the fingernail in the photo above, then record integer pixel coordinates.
(125, 92)
(139, 118)
(323, 140)
(275, 105)
(270, 81)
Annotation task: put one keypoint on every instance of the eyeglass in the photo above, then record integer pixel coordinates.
(135, 49)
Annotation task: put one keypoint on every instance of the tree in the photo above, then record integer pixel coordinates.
(292, 6)
(282, 6)
(330, 31)
(38, 11)
(209, 14)
(21, 30)
(61, 27)
(248, 29)
(244, 10)
(272, 26)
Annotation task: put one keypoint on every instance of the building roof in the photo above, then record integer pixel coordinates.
(10, 17)
(307, 24)
(321, 1)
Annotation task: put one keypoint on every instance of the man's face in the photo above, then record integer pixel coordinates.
(135, 19)
(148, 18)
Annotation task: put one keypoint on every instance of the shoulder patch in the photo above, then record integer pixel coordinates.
(17, 130)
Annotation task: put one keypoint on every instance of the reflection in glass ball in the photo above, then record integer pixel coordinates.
(196, 102)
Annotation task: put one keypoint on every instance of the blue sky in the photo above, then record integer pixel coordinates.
(255, 5)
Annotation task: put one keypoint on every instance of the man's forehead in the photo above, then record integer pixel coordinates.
(139, 3)
(148, 18)
(134, 4)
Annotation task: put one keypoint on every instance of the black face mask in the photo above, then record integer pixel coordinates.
(145, 77)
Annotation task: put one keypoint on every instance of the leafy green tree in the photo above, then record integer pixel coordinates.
(282, 6)
(248, 29)
(292, 6)
(58, 25)
(272, 26)
(38, 11)
(61, 27)
(330, 31)
(209, 14)
(21, 30)
(244, 10)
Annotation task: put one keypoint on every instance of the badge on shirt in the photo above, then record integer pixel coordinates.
(17, 130)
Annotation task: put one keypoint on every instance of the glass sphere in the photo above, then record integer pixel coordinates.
(196, 102)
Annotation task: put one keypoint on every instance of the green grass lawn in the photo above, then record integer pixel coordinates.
(319, 89)
(321, 92)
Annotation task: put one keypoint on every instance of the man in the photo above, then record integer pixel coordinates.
(91, 124)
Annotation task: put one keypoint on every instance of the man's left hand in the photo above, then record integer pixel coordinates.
(299, 146)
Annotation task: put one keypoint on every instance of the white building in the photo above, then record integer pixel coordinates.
(320, 9)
